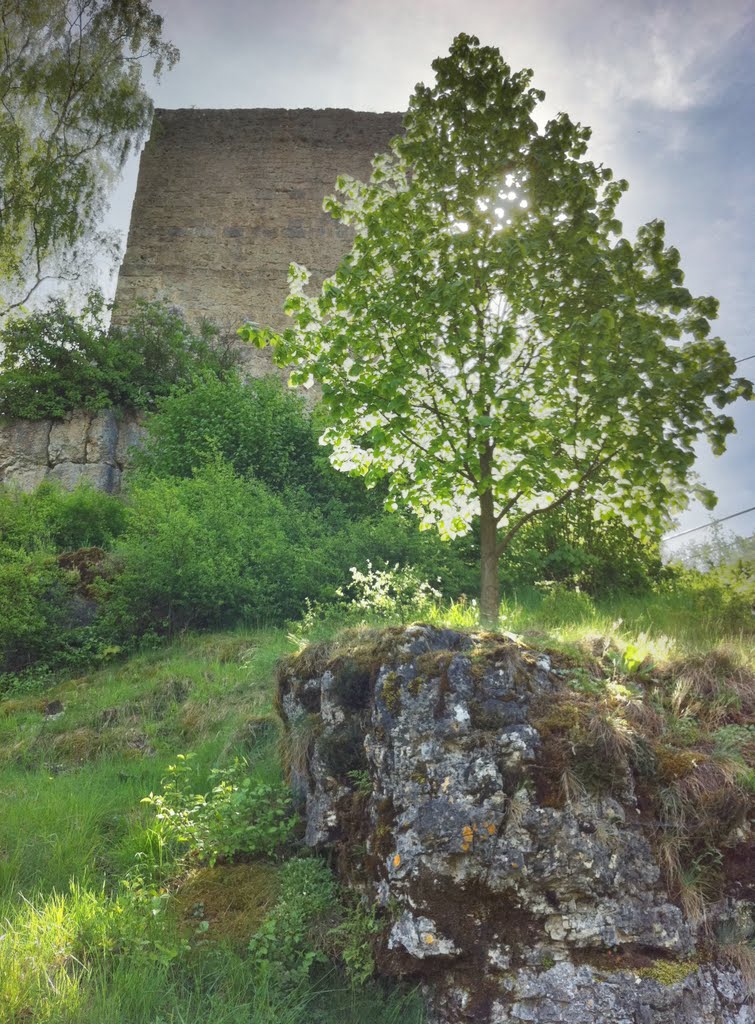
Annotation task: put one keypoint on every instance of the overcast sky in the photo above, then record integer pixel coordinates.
(668, 89)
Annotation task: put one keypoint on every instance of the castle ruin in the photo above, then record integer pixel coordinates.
(225, 201)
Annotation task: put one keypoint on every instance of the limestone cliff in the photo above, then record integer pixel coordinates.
(81, 447)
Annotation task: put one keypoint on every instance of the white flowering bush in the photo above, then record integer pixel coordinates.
(396, 591)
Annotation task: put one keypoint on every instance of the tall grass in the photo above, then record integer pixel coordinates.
(63, 961)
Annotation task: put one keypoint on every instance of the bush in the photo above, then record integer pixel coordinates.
(217, 548)
(209, 551)
(286, 943)
(261, 429)
(724, 596)
(48, 619)
(53, 519)
(55, 361)
(310, 924)
(239, 815)
(50, 556)
(254, 426)
(31, 593)
(572, 547)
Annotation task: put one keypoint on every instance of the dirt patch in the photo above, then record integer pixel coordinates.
(89, 564)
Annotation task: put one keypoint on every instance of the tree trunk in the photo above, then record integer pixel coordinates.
(489, 585)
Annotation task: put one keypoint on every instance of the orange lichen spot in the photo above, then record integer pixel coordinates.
(491, 828)
(467, 836)
(428, 938)
(396, 860)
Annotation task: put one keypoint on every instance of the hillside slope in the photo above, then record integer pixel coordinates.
(107, 919)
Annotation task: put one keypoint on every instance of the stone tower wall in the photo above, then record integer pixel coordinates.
(226, 199)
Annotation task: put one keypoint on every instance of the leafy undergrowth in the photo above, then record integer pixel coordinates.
(176, 910)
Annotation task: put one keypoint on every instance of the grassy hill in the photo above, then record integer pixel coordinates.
(104, 917)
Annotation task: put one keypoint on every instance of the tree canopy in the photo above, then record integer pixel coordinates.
(492, 343)
(72, 105)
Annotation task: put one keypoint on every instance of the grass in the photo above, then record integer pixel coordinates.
(72, 949)
(75, 950)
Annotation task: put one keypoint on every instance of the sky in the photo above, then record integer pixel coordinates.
(667, 88)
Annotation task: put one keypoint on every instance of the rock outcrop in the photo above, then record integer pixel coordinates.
(418, 757)
(81, 447)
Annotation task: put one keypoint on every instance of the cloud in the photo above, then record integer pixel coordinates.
(671, 54)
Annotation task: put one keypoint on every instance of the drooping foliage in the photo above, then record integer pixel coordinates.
(73, 108)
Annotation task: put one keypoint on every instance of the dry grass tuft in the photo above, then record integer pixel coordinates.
(232, 900)
(714, 688)
(297, 742)
(741, 956)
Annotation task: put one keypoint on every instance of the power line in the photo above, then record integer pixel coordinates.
(715, 522)
(723, 519)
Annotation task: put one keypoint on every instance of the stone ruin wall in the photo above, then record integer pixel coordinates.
(225, 200)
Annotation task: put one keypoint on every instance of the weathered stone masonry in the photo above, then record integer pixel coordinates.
(225, 200)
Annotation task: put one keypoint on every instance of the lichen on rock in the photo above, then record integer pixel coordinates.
(509, 906)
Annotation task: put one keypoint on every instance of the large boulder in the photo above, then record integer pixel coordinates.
(418, 758)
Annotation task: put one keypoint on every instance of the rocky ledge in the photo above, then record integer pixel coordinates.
(419, 758)
(81, 447)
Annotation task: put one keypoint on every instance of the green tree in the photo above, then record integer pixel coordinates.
(492, 344)
(72, 105)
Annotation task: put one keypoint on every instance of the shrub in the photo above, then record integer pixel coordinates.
(59, 520)
(48, 621)
(48, 599)
(208, 551)
(256, 427)
(238, 816)
(32, 591)
(54, 361)
(311, 923)
(287, 944)
(217, 548)
(397, 592)
(573, 547)
(263, 430)
(724, 596)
